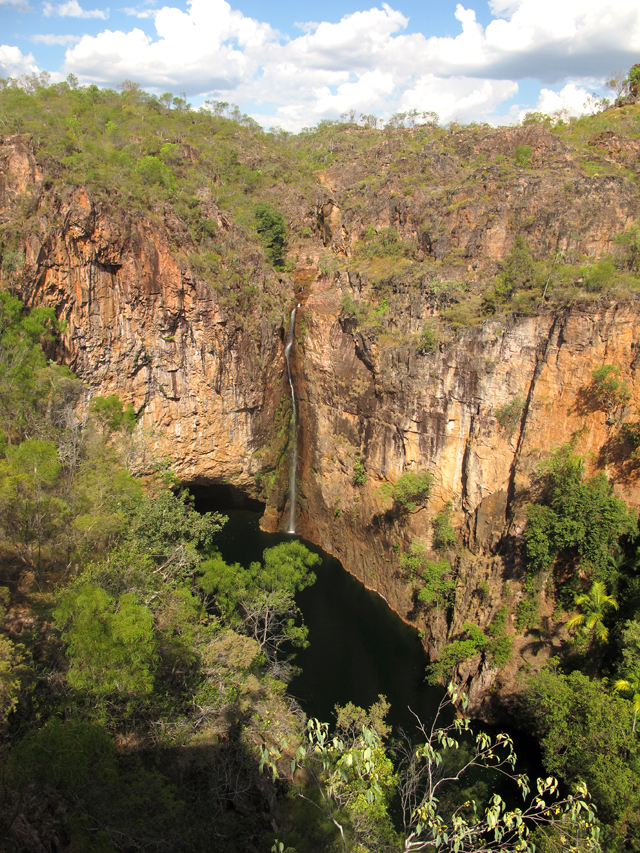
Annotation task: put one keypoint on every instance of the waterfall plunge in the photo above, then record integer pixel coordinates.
(291, 524)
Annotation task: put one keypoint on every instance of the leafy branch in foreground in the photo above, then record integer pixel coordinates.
(423, 776)
(343, 769)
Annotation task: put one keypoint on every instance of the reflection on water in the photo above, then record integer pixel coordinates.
(358, 647)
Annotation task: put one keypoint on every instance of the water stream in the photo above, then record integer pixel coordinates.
(293, 470)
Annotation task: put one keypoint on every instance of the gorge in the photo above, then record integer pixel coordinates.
(439, 311)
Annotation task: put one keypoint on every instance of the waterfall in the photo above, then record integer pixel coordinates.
(291, 524)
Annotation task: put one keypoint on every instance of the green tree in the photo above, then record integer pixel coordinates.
(272, 227)
(33, 514)
(112, 414)
(168, 528)
(21, 356)
(411, 490)
(154, 171)
(518, 270)
(11, 656)
(347, 777)
(345, 770)
(578, 517)
(630, 685)
(610, 392)
(510, 414)
(594, 605)
(110, 644)
(261, 599)
(584, 733)
(444, 536)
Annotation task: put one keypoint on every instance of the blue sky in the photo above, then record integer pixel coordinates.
(293, 64)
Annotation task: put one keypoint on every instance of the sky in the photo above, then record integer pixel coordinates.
(293, 64)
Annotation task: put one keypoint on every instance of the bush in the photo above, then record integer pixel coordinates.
(609, 392)
(510, 414)
(154, 171)
(522, 156)
(427, 342)
(444, 536)
(517, 271)
(359, 472)
(272, 227)
(580, 518)
(413, 488)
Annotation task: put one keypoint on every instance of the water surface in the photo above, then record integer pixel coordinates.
(358, 647)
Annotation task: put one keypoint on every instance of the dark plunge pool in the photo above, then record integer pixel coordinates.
(358, 647)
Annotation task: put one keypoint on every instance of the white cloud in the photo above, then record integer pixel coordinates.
(19, 5)
(72, 9)
(307, 26)
(140, 13)
(462, 99)
(366, 61)
(13, 62)
(52, 39)
(572, 99)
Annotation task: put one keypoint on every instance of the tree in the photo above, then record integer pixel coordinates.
(110, 644)
(517, 270)
(10, 659)
(618, 82)
(34, 515)
(261, 599)
(349, 773)
(168, 528)
(444, 536)
(412, 489)
(609, 391)
(344, 769)
(21, 356)
(594, 605)
(272, 227)
(585, 734)
(578, 517)
(629, 684)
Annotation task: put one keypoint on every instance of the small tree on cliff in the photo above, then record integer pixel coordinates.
(411, 491)
(272, 227)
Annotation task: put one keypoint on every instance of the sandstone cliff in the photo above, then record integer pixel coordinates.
(202, 362)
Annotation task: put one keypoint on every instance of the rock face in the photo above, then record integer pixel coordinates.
(204, 366)
(140, 323)
(395, 410)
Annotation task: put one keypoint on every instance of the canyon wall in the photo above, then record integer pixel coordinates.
(205, 369)
(394, 410)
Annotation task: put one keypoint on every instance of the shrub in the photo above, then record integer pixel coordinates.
(455, 653)
(578, 517)
(154, 171)
(359, 472)
(609, 392)
(510, 414)
(427, 342)
(517, 270)
(272, 227)
(413, 488)
(522, 156)
(444, 536)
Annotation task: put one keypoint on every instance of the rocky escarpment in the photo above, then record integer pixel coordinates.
(394, 410)
(202, 366)
(202, 359)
